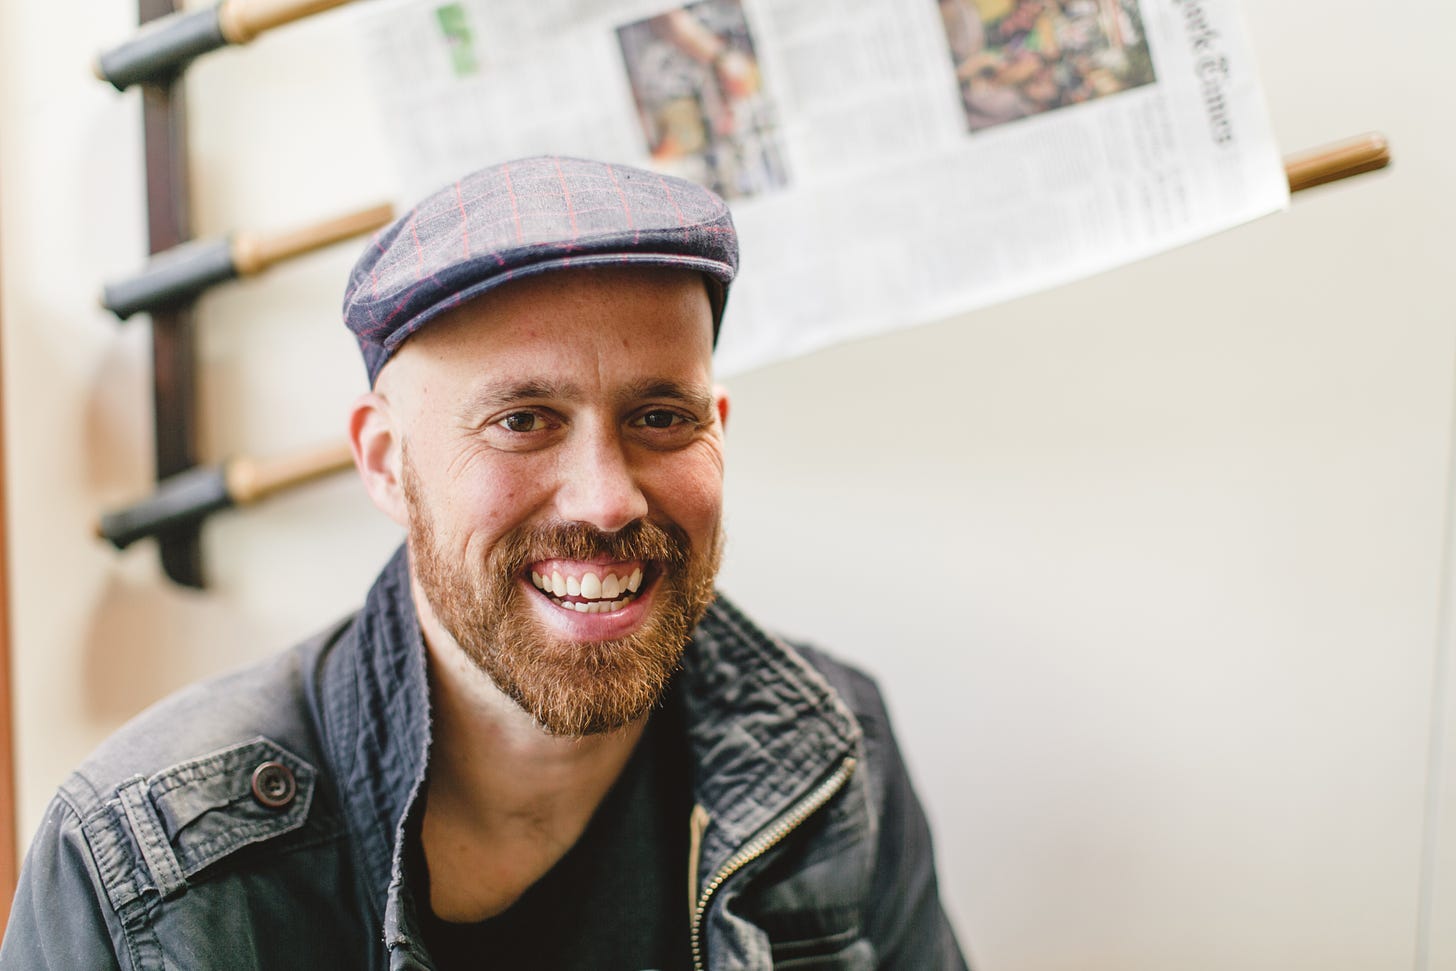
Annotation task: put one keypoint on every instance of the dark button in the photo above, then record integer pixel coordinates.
(273, 785)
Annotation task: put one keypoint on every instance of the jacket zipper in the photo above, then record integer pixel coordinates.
(766, 840)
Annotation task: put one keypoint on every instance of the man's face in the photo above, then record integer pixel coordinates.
(562, 468)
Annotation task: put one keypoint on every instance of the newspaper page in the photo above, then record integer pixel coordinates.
(888, 162)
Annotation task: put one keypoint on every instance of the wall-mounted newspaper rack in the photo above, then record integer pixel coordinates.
(181, 268)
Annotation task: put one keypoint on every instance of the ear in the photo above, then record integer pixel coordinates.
(377, 443)
(720, 401)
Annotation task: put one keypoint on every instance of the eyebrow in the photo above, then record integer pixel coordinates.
(692, 396)
(504, 395)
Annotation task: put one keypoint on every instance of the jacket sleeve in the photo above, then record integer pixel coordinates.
(57, 921)
(903, 917)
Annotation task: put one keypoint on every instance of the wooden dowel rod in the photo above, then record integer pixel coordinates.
(183, 272)
(189, 497)
(255, 252)
(1339, 160)
(242, 20)
(252, 479)
(161, 51)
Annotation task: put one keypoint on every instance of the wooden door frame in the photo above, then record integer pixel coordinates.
(8, 863)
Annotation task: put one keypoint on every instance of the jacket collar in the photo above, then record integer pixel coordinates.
(763, 726)
(376, 703)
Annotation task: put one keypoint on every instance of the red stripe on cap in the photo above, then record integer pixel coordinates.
(681, 221)
(626, 205)
(570, 209)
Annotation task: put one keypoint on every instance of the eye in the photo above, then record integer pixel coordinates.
(659, 418)
(522, 422)
(525, 430)
(665, 428)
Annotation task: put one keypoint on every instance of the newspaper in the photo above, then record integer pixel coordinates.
(888, 162)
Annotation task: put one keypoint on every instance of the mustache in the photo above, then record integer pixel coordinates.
(639, 540)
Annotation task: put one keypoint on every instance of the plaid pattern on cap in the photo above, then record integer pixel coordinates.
(525, 217)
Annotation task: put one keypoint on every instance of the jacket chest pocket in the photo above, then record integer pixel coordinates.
(158, 833)
(213, 806)
(846, 951)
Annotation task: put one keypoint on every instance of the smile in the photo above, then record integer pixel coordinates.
(590, 591)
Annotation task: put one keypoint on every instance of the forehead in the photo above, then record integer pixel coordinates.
(584, 327)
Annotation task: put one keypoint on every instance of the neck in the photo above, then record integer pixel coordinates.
(491, 760)
(506, 800)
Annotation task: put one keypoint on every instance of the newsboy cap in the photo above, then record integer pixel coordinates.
(525, 217)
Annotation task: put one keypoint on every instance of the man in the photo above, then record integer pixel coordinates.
(543, 742)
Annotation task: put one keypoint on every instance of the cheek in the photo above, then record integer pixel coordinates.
(479, 508)
(690, 492)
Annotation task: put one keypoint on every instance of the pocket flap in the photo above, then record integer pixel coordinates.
(211, 806)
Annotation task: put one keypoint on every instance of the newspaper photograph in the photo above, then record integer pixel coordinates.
(1016, 59)
(699, 95)
(888, 162)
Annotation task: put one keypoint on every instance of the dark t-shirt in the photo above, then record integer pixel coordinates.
(617, 901)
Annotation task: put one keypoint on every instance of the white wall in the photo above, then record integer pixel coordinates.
(1151, 566)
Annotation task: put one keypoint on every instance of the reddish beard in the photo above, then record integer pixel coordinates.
(571, 688)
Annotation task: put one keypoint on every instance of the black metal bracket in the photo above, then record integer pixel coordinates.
(174, 352)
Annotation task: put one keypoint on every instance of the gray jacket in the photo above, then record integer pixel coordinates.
(257, 821)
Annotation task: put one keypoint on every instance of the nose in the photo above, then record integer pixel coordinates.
(598, 484)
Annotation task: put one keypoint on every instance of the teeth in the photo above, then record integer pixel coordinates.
(604, 593)
(595, 607)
